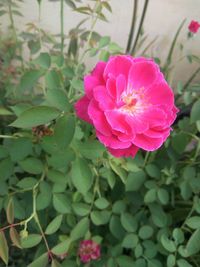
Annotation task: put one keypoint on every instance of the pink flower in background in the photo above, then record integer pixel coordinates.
(89, 250)
(194, 26)
(129, 103)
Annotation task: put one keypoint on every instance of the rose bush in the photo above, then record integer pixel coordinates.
(64, 200)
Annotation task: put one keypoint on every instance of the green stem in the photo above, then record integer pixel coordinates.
(191, 78)
(171, 50)
(39, 22)
(43, 235)
(94, 20)
(12, 24)
(62, 25)
(140, 26)
(7, 136)
(146, 159)
(132, 29)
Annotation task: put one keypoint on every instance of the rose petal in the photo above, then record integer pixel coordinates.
(127, 152)
(118, 65)
(81, 107)
(147, 143)
(142, 74)
(98, 118)
(112, 141)
(102, 97)
(160, 93)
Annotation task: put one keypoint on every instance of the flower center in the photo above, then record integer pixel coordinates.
(134, 101)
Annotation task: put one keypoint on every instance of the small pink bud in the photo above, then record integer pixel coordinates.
(89, 250)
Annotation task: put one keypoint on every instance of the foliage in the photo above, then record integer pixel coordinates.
(59, 186)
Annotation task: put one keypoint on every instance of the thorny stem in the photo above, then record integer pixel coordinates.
(62, 24)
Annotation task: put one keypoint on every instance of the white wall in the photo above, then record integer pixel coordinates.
(162, 20)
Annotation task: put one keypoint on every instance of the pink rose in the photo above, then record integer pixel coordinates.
(89, 250)
(129, 103)
(194, 26)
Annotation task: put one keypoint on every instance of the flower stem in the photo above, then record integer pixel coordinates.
(140, 26)
(132, 29)
(62, 25)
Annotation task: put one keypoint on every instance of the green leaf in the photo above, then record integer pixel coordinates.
(81, 176)
(193, 222)
(31, 240)
(152, 170)
(91, 149)
(58, 99)
(125, 261)
(135, 180)
(192, 246)
(104, 41)
(163, 196)
(195, 112)
(44, 197)
(40, 262)
(129, 222)
(70, 3)
(5, 112)
(168, 244)
(158, 216)
(20, 149)
(171, 260)
(145, 232)
(183, 263)
(100, 217)
(3, 248)
(101, 203)
(29, 80)
(81, 209)
(15, 238)
(130, 241)
(10, 211)
(35, 116)
(27, 182)
(56, 176)
(80, 229)
(116, 228)
(64, 131)
(62, 248)
(150, 196)
(43, 60)
(53, 80)
(104, 55)
(6, 169)
(178, 236)
(54, 225)
(55, 263)
(61, 203)
(32, 165)
(77, 84)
